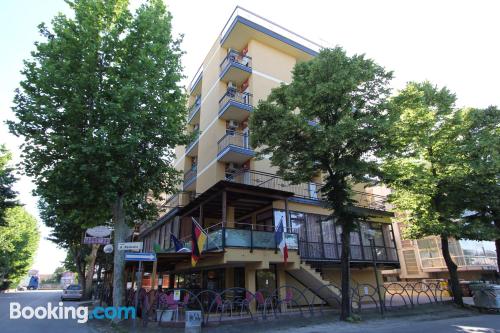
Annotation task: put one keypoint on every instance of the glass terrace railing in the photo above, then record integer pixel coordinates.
(242, 238)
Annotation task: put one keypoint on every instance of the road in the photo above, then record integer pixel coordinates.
(35, 299)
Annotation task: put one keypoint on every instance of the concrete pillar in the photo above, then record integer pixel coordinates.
(250, 284)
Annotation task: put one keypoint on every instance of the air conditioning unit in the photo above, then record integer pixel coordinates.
(233, 124)
(232, 167)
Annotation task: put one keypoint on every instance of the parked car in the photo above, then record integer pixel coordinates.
(72, 292)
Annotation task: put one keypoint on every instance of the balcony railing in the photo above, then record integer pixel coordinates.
(233, 57)
(461, 261)
(233, 138)
(235, 96)
(332, 251)
(311, 191)
(179, 199)
(194, 141)
(190, 176)
(196, 79)
(224, 237)
(194, 108)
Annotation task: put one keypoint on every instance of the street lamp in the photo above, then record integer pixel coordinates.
(370, 235)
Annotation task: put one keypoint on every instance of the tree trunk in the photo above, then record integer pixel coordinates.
(120, 233)
(90, 271)
(452, 269)
(345, 275)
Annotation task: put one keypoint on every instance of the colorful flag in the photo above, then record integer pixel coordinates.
(177, 243)
(198, 238)
(279, 236)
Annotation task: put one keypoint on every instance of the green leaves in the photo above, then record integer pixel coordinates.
(18, 243)
(431, 156)
(101, 108)
(7, 180)
(342, 102)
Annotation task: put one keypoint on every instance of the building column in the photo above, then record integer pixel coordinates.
(250, 284)
(230, 217)
(281, 279)
(154, 284)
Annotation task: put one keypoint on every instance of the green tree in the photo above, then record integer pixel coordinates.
(101, 110)
(341, 101)
(420, 166)
(7, 180)
(19, 239)
(479, 152)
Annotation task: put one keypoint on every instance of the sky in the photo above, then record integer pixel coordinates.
(452, 43)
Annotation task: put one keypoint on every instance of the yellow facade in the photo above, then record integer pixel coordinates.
(239, 198)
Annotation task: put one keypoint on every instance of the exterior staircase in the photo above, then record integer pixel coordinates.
(312, 279)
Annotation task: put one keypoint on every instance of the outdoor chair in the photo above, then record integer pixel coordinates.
(223, 306)
(244, 304)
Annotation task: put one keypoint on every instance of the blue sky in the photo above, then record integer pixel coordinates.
(452, 43)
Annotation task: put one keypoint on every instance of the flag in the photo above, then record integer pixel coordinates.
(279, 236)
(198, 238)
(177, 243)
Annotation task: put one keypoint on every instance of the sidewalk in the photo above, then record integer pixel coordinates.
(431, 318)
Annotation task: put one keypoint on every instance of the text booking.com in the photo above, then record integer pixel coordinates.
(61, 312)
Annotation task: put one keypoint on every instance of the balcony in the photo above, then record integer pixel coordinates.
(234, 147)
(224, 237)
(304, 191)
(192, 147)
(235, 105)
(194, 111)
(190, 179)
(195, 84)
(235, 68)
(179, 199)
(320, 251)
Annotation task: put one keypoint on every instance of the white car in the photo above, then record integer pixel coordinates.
(72, 292)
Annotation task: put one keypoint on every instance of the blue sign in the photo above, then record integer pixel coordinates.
(140, 256)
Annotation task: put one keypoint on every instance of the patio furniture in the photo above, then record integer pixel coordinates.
(223, 306)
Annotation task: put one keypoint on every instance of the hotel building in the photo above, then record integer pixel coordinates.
(238, 199)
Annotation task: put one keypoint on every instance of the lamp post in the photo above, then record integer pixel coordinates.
(370, 234)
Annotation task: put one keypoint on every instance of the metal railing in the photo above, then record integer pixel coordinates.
(235, 57)
(332, 251)
(194, 141)
(190, 175)
(179, 199)
(236, 96)
(311, 190)
(196, 78)
(233, 138)
(195, 107)
(461, 261)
